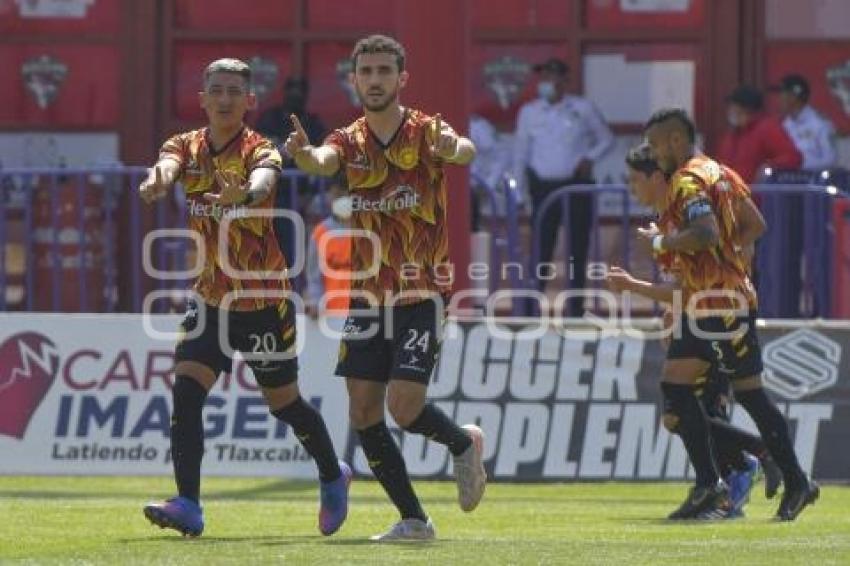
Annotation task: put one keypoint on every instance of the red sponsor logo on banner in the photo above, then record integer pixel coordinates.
(29, 363)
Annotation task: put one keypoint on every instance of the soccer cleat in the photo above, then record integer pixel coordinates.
(794, 500)
(703, 500)
(178, 513)
(740, 484)
(469, 471)
(772, 477)
(408, 530)
(333, 507)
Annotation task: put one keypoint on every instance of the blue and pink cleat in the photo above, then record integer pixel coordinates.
(178, 513)
(741, 484)
(334, 501)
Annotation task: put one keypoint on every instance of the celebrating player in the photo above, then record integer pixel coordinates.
(696, 240)
(393, 158)
(226, 169)
(739, 453)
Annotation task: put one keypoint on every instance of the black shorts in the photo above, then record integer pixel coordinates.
(403, 343)
(734, 357)
(259, 335)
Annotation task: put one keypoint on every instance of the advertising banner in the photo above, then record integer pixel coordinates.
(91, 395)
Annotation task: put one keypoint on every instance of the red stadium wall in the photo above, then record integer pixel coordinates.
(133, 67)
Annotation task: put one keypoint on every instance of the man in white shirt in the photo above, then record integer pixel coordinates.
(813, 134)
(558, 137)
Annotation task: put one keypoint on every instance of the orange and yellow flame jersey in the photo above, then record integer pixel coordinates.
(398, 193)
(252, 260)
(703, 186)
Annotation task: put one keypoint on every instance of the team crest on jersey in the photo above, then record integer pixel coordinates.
(407, 158)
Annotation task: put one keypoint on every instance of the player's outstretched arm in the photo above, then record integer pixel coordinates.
(160, 180)
(620, 280)
(322, 160)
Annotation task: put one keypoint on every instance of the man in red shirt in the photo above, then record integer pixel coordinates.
(756, 140)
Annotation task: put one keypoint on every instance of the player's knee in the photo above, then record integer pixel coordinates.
(363, 415)
(404, 410)
(670, 421)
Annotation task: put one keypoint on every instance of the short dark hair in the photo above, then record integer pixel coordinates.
(747, 97)
(232, 66)
(640, 159)
(677, 114)
(379, 44)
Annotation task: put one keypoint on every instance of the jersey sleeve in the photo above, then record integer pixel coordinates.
(690, 198)
(175, 148)
(338, 140)
(264, 156)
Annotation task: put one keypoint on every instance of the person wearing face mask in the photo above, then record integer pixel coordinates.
(327, 255)
(558, 137)
(275, 124)
(755, 140)
(812, 133)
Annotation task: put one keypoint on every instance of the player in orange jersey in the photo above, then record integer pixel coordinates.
(228, 171)
(696, 241)
(739, 453)
(393, 159)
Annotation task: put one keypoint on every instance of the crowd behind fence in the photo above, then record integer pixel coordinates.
(76, 240)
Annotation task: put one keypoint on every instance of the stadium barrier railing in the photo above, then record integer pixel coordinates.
(72, 240)
(799, 217)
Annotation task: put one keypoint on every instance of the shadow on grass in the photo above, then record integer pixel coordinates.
(270, 540)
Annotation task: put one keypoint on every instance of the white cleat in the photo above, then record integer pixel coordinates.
(408, 530)
(469, 471)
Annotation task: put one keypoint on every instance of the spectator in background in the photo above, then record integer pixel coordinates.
(558, 137)
(755, 140)
(275, 123)
(335, 255)
(813, 134)
(483, 135)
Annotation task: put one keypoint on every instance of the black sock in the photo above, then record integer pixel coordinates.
(694, 430)
(435, 425)
(731, 443)
(387, 464)
(774, 432)
(310, 429)
(187, 435)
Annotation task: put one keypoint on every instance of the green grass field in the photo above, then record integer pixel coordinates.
(89, 520)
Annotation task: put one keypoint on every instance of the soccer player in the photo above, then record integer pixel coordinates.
(393, 158)
(696, 240)
(739, 453)
(226, 170)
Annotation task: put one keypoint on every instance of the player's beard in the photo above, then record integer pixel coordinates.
(389, 98)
